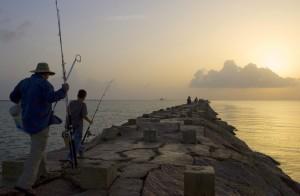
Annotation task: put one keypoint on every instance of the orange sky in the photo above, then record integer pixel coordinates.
(152, 48)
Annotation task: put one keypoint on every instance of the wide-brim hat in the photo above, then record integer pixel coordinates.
(43, 68)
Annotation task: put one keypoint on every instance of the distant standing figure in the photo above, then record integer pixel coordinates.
(78, 112)
(196, 100)
(36, 96)
(189, 100)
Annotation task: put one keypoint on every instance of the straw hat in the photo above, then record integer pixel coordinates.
(43, 68)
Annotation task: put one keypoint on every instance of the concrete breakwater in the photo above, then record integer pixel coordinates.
(151, 155)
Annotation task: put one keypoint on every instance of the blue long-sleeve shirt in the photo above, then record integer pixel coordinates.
(36, 95)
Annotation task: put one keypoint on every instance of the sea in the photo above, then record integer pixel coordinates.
(270, 127)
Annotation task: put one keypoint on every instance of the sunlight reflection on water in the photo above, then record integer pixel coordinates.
(270, 127)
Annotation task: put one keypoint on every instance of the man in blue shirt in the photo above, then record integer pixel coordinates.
(36, 95)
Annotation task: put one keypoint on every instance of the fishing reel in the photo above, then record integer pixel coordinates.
(65, 134)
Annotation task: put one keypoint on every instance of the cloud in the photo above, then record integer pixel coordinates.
(125, 18)
(7, 35)
(233, 76)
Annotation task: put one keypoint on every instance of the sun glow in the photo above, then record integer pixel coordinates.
(274, 62)
(275, 58)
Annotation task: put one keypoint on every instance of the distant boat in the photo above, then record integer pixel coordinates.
(161, 99)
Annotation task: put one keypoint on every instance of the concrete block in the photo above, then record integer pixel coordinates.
(189, 136)
(96, 175)
(161, 127)
(150, 135)
(141, 121)
(188, 122)
(110, 133)
(199, 181)
(131, 121)
(146, 116)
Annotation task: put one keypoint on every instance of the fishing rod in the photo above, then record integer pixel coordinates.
(71, 142)
(98, 106)
(77, 59)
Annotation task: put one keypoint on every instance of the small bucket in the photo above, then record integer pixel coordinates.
(16, 113)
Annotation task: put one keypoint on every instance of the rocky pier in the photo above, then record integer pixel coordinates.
(181, 150)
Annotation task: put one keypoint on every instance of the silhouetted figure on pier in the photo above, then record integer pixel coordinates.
(196, 100)
(189, 100)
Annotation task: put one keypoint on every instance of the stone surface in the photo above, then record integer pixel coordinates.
(138, 170)
(174, 158)
(92, 193)
(167, 180)
(11, 171)
(140, 155)
(58, 187)
(126, 187)
(10, 192)
(199, 180)
(146, 168)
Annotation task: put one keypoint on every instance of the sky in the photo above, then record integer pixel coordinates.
(157, 48)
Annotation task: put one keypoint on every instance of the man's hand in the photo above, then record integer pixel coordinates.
(65, 87)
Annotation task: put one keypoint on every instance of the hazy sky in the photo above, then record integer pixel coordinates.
(153, 48)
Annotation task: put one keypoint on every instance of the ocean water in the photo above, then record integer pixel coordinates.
(270, 127)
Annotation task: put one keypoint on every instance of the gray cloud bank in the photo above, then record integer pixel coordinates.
(233, 76)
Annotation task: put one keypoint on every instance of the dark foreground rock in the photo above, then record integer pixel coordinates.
(134, 167)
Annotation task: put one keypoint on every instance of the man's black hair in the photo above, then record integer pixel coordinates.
(81, 94)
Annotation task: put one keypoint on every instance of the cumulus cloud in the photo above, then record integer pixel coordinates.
(233, 76)
(7, 35)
